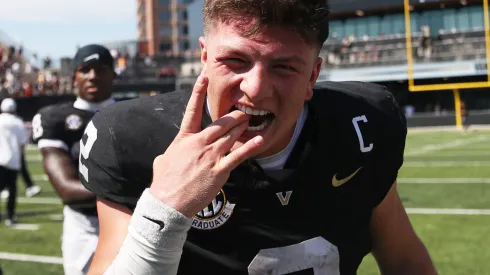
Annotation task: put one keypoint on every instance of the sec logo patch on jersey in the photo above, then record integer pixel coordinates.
(73, 122)
(215, 214)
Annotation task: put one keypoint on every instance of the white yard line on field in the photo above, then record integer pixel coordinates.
(446, 163)
(458, 154)
(31, 147)
(447, 211)
(57, 218)
(447, 129)
(440, 146)
(25, 226)
(444, 180)
(40, 177)
(30, 258)
(34, 158)
(56, 201)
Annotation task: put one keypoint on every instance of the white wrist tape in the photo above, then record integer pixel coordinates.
(160, 225)
(156, 236)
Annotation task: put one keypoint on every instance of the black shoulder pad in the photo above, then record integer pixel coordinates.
(48, 123)
(129, 136)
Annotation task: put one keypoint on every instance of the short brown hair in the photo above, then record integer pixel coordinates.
(309, 18)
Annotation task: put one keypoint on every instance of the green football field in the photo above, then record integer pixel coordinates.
(444, 184)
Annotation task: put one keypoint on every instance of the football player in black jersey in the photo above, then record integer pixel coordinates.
(260, 170)
(57, 130)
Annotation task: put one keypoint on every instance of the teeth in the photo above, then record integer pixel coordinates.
(250, 111)
(258, 128)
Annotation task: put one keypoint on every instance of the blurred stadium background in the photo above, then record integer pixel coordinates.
(432, 55)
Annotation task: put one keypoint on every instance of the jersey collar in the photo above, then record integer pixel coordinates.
(252, 175)
(83, 104)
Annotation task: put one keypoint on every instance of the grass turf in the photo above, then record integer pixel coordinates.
(458, 243)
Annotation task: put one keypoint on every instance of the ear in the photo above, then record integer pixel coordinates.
(313, 78)
(204, 51)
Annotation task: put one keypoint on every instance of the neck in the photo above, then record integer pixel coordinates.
(83, 104)
(280, 145)
(288, 141)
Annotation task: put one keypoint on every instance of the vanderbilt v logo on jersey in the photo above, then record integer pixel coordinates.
(215, 215)
(284, 199)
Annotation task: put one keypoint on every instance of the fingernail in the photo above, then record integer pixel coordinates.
(203, 73)
(202, 79)
(258, 140)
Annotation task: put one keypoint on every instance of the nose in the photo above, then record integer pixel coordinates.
(256, 83)
(91, 74)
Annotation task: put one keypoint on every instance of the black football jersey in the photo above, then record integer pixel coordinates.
(62, 126)
(312, 217)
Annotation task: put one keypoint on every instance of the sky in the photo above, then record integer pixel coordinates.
(55, 27)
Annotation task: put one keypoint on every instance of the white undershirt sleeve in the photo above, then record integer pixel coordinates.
(156, 236)
(56, 143)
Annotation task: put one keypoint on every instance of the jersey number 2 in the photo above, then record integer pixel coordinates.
(85, 149)
(317, 254)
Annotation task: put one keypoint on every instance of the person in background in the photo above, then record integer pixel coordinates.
(57, 131)
(31, 188)
(13, 138)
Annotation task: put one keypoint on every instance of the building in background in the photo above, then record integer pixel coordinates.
(163, 27)
(367, 43)
(194, 10)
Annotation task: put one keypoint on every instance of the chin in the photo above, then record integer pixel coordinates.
(95, 97)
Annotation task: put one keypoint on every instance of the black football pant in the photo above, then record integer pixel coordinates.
(8, 179)
(25, 173)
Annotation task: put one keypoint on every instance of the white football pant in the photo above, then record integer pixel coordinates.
(79, 241)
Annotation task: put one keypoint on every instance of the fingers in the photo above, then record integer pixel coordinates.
(191, 122)
(224, 125)
(249, 149)
(225, 143)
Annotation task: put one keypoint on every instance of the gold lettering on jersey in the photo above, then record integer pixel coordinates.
(284, 199)
(214, 215)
